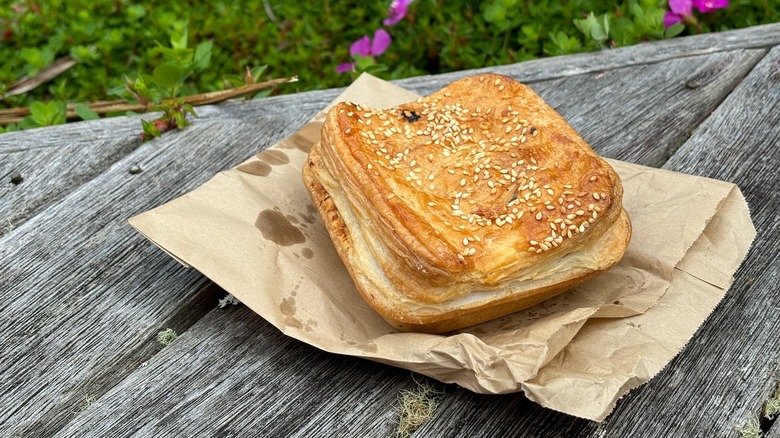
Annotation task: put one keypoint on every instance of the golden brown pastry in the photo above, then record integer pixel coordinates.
(465, 205)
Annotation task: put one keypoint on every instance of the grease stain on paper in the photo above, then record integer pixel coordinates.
(267, 158)
(273, 157)
(255, 168)
(307, 253)
(368, 347)
(277, 228)
(304, 139)
(288, 309)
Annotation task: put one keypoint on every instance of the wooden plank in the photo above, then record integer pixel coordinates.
(134, 405)
(39, 155)
(83, 294)
(55, 161)
(774, 432)
(233, 374)
(615, 111)
(731, 366)
(727, 371)
(764, 36)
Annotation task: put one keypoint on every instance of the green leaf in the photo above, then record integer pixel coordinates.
(46, 114)
(150, 131)
(585, 25)
(363, 63)
(674, 30)
(179, 39)
(85, 112)
(495, 14)
(257, 71)
(167, 75)
(202, 56)
(28, 123)
(598, 33)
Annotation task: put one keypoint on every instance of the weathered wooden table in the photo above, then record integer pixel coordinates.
(84, 295)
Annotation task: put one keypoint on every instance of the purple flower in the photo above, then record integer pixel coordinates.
(366, 46)
(680, 10)
(397, 12)
(707, 6)
(371, 47)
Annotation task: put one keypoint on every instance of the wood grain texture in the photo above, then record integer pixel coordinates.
(233, 374)
(764, 36)
(83, 294)
(733, 362)
(56, 160)
(166, 405)
(730, 367)
(642, 114)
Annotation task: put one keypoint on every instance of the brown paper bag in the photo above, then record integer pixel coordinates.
(254, 231)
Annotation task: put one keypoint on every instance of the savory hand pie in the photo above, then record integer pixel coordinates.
(465, 205)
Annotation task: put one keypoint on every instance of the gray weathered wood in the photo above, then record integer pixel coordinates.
(640, 114)
(75, 316)
(727, 371)
(563, 66)
(233, 374)
(735, 358)
(774, 432)
(83, 295)
(56, 160)
(164, 408)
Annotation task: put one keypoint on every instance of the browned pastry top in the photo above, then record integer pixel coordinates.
(470, 189)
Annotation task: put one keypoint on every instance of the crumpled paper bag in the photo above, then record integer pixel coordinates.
(254, 231)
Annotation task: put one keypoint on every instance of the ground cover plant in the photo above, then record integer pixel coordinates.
(155, 52)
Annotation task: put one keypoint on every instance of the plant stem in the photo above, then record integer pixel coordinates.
(15, 115)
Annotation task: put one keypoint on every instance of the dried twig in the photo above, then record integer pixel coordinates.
(26, 84)
(15, 115)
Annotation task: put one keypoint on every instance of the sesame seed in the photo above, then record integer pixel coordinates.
(465, 241)
(596, 196)
(539, 216)
(463, 182)
(472, 251)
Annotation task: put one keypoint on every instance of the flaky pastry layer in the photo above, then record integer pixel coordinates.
(472, 202)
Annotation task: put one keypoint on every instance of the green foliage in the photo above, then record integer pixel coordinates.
(85, 112)
(171, 48)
